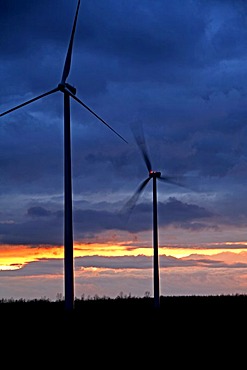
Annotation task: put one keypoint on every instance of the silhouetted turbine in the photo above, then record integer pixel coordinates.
(68, 91)
(154, 175)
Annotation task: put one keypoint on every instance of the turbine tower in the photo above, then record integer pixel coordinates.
(154, 175)
(68, 92)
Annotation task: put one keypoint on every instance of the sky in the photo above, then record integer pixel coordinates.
(177, 71)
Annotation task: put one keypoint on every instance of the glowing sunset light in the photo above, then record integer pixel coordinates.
(234, 243)
(11, 256)
(19, 255)
(110, 250)
(10, 267)
(185, 252)
(15, 257)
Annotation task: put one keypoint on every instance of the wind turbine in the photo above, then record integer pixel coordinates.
(68, 92)
(154, 175)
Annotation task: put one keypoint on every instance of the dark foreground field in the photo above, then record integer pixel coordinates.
(182, 329)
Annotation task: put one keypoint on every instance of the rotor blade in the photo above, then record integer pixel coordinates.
(96, 115)
(172, 180)
(129, 206)
(67, 63)
(140, 140)
(29, 101)
(182, 181)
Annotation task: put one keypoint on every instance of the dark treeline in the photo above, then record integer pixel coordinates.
(183, 310)
(127, 303)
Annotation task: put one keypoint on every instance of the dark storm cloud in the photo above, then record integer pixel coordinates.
(144, 262)
(140, 262)
(177, 67)
(38, 231)
(43, 226)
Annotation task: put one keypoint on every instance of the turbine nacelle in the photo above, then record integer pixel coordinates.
(154, 173)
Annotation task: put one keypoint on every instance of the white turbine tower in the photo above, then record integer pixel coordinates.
(68, 92)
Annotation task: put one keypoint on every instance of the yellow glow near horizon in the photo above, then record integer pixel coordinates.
(12, 267)
(110, 250)
(185, 252)
(15, 257)
(209, 249)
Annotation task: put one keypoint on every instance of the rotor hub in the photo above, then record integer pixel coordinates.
(63, 86)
